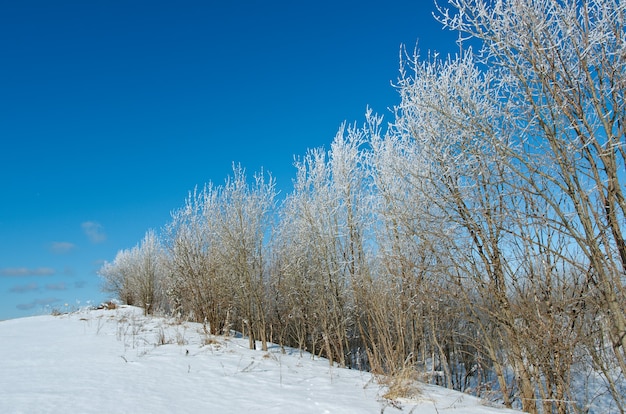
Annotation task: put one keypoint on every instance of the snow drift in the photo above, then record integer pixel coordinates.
(121, 361)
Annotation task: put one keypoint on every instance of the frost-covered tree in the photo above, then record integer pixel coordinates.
(151, 273)
(410, 321)
(311, 273)
(321, 247)
(561, 77)
(137, 275)
(196, 288)
(519, 152)
(243, 224)
(218, 246)
(117, 277)
(478, 240)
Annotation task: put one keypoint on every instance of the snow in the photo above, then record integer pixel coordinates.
(95, 361)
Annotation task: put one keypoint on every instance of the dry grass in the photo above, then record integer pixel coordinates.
(110, 305)
(401, 385)
(211, 341)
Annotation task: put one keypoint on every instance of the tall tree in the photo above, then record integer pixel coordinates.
(138, 275)
(243, 226)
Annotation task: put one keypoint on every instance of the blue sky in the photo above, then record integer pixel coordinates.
(111, 111)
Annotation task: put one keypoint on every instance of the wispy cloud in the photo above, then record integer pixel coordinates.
(79, 284)
(37, 302)
(24, 288)
(61, 247)
(94, 231)
(25, 271)
(56, 286)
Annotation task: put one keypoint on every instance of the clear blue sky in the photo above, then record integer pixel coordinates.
(111, 111)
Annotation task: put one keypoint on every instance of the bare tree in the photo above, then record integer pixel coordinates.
(561, 70)
(519, 156)
(218, 247)
(317, 238)
(137, 275)
(196, 288)
(117, 277)
(322, 254)
(478, 240)
(243, 224)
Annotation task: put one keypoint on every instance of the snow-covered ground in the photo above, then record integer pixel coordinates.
(102, 361)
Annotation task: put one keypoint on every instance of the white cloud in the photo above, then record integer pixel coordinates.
(24, 271)
(24, 288)
(61, 247)
(94, 231)
(37, 302)
(56, 286)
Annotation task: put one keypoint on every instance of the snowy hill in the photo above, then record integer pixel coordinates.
(99, 361)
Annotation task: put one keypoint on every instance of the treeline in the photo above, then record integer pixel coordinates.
(476, 241)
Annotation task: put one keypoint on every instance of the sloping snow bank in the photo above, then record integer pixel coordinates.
(100, 361)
